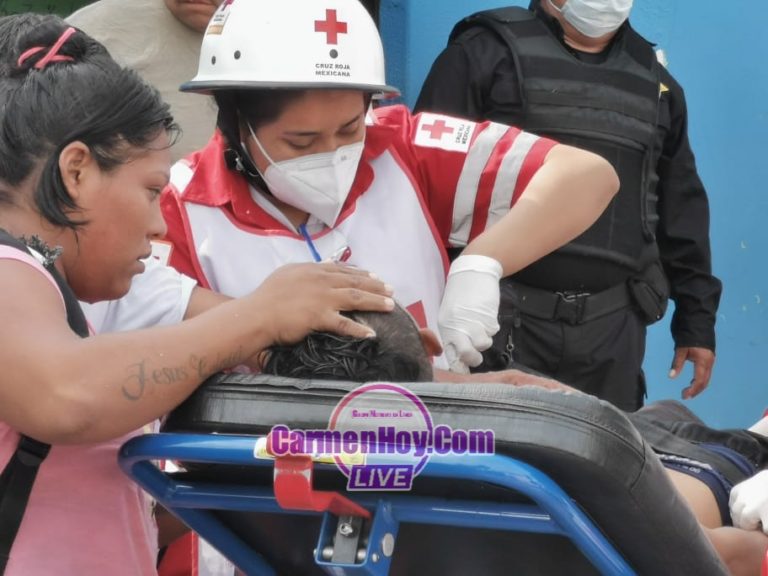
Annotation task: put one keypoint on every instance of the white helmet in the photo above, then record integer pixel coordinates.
(291, 44)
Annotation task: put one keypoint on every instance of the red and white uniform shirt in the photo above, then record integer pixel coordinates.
(425, 182)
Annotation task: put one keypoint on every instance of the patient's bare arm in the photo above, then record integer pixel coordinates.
(742, 551)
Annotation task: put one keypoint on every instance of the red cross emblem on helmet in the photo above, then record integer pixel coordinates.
(330, 26)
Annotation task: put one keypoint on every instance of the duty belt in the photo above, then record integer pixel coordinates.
(573, 307)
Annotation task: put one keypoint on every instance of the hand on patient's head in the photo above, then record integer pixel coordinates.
(297, 299)
(400, 352)
(396, 354)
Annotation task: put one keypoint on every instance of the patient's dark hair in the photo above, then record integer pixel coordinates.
(80, 95)
(396, 354)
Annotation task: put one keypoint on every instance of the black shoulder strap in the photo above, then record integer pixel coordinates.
(19, 474)
(492, 19)
(75, 317)
(15, 487)
(499, 21)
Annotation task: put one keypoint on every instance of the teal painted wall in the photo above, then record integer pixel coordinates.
(716, 51)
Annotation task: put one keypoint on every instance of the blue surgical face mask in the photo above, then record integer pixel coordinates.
(595, 18)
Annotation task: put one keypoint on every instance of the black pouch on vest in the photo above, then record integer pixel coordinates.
(650, 292)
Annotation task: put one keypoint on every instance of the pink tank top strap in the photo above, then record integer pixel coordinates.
(10, 253)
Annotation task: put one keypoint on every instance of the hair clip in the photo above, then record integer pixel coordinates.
(52, 55)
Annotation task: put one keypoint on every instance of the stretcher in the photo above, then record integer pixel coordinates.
(571, 487)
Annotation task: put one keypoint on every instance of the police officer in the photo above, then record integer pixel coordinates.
(577, 71)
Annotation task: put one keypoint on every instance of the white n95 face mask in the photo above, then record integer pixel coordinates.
(595, 18)
(317, 183)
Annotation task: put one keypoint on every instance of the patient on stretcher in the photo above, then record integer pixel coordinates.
(703, 464)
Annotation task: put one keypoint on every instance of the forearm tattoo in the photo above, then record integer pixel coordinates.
(142, 374)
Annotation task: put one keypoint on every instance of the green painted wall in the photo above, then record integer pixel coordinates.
(61, 7)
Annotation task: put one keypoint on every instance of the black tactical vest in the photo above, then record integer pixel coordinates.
(611, 109)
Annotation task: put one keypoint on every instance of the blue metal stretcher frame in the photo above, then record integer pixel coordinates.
(192, 502)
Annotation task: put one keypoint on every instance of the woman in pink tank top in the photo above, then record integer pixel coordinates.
(84, 154)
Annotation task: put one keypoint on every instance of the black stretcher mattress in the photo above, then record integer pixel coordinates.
(585, 445)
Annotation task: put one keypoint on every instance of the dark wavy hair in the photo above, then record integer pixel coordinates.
(396, 354)
(88, 98)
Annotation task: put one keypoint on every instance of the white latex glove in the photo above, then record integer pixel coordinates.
(749, 503)
(469, 311)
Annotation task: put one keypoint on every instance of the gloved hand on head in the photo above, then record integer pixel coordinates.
(749, 503)
(469, 311)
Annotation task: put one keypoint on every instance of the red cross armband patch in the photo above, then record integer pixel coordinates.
(446, 132)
